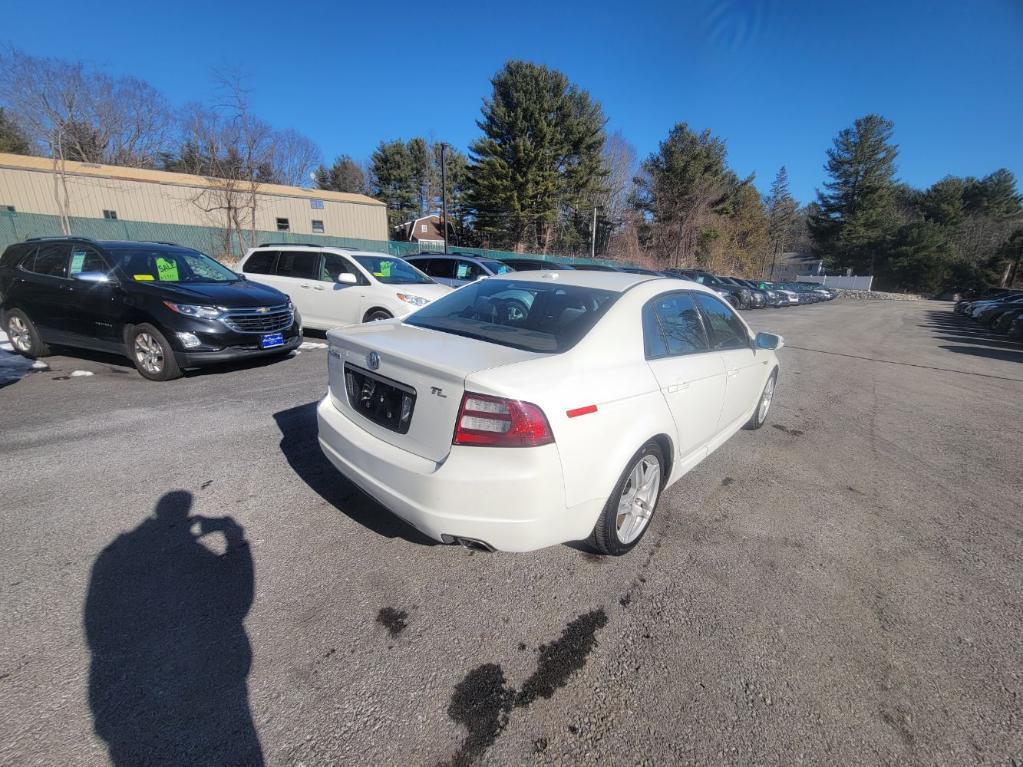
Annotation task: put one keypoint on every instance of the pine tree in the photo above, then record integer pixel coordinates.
(538, 165)
(856, 213)
(781, 215)
(344, 175)
(682, 187)
(394, 181)
(12, 139)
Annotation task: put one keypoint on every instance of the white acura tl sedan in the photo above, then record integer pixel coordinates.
(537, 408)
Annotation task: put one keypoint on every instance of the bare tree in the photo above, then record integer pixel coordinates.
(293, 158)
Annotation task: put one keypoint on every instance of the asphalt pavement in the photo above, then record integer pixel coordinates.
(185, 580)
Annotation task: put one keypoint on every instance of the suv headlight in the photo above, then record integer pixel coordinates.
(408, 298)
(722, 293)
(195, 310)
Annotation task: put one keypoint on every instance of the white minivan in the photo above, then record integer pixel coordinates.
(332, 287)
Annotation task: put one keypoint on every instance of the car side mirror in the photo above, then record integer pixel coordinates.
(769, 341)
(347, 278)
(93, 277)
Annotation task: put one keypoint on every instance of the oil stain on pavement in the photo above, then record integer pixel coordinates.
(482, 702)
(395, 621)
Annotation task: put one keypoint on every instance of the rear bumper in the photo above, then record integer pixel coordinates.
(511, 498)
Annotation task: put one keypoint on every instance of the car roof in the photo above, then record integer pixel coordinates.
(615, 281)
(320, 249)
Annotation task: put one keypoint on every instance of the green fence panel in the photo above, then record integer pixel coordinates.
(16, 227)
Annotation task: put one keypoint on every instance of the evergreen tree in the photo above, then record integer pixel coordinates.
(344, 175)
(856, 213)
(538, 164)
(393, 180)
(681, 188)
(12, 139)
(781, 215)
(943, 203)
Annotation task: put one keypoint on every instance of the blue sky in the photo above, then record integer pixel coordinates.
(777, 80)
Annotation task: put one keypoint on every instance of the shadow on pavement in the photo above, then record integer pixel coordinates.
(969, 337)
(301, 448)
(170, 657)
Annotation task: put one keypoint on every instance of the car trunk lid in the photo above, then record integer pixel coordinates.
(404, 384)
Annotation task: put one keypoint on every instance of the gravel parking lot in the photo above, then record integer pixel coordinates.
(844, 586)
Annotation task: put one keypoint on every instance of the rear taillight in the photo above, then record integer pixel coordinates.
(498, 422)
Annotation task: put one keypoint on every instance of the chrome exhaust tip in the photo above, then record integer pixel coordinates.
(473, 543)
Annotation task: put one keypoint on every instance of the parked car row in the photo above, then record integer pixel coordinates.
(1000, 309)
(168, 308)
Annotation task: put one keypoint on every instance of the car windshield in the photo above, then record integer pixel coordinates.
(497, 267)
(535, 316)
(170, 265)
(392, 271)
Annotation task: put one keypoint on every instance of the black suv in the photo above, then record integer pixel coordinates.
(163, 306)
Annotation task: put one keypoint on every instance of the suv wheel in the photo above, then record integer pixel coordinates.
(375, 315)
(23, 335)
(152, 355)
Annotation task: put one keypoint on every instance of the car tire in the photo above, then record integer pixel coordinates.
(759, 417)
(375, 315)
(23, 336)
(624, 522)
(153, 356)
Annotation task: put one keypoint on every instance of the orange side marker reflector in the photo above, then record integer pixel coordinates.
(581, 411)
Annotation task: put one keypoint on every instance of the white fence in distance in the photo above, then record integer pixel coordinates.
(844, 283)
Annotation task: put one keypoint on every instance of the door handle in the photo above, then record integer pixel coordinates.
(733, 372)
(678, 386)
(304, 286)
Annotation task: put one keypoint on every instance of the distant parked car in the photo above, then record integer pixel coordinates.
(1004, 323)
(736, 295)
(561, 424)
(163, 306)
(459, 269)
(1016, 329)
(990, 313)
(336, 286)
(533, 264)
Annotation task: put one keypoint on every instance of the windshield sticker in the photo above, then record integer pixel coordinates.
(167, 269)
(143, 277)
(77, 261)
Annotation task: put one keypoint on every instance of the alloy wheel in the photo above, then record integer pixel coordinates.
(149, 353)
(639, 495)
(18, 332)
(765, 401)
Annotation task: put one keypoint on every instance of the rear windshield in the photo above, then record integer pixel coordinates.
(392, 271)
(537, 317)
(166, 265)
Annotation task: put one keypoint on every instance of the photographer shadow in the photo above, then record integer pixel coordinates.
(170, 657)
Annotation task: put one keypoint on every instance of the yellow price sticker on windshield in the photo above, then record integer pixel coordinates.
(143, 277)
(167, 269)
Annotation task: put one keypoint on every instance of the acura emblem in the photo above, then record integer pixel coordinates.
(372, 360)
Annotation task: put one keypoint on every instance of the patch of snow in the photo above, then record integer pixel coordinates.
(312, 345)
(40, 365)
(81, 373)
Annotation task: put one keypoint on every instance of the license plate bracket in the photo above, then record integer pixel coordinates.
(270, 340)
(384, 401)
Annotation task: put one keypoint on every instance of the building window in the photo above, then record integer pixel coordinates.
(316, 204)
(110, 215)
(283, 225)
(317, 226)
(422, 228)
(9, 208)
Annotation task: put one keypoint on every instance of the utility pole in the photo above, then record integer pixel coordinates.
(444, 192)
(593, 236)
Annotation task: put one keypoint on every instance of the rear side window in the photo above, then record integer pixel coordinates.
(50, 260)
(672, 327)
(298, 263)
(537, 317)
(87, 260)
(436, 267)
(260, 262)
(723, 325)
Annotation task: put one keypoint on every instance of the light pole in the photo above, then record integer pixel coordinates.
(444, 192)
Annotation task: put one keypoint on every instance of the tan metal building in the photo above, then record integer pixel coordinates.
(32, 185)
